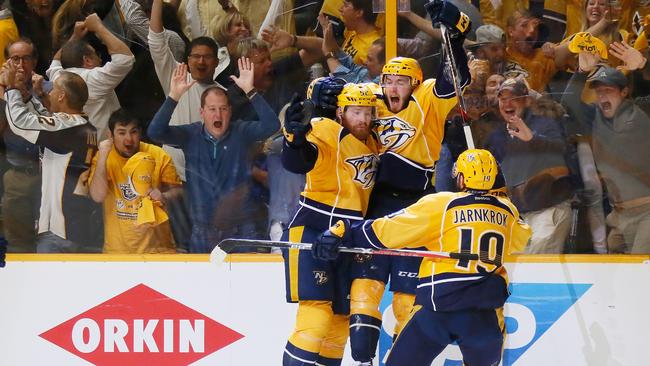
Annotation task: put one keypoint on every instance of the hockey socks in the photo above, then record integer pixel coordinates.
(364, 335)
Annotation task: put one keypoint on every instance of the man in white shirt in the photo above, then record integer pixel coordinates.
(79, 57)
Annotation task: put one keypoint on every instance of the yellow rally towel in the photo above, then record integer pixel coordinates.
(584, 41)
(139, 170)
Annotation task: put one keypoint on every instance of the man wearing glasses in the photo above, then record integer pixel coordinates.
(22, 180)
(202, 60)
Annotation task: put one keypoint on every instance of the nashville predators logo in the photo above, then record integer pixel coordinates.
(394, 133)
(365, 167)
(321, 277)
(361, 258)
(127, 192)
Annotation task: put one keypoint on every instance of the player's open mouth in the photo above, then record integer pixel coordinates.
(394, 100)
(217, 124)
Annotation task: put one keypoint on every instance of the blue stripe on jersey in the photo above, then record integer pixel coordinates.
(367, 237)
(457, 291)
(474, 199)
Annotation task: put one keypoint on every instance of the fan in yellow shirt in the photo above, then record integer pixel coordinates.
(361, 28)
(133, 179)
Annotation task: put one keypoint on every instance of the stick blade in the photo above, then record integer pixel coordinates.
(218, 256)
(221, 250)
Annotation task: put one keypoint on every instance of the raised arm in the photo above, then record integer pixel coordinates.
(458, 25)
(582, 113)
(422, 24)
(159, 129)
(98, 187)
(298, 155)
(161, 53)
(268, 122)
(310, 47)
(112, 43)
(156, 22)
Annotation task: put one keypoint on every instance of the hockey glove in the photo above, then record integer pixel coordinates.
(444, 12)
(323, 92)
(296, 123)
(3, 251)
(326, 246)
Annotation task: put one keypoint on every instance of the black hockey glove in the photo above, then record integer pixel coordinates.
(326, 246)
(444, 12)
(297, 122)
(324, 92)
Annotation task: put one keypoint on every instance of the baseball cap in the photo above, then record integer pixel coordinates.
(486, 34)
(517, 87)
(608, 76)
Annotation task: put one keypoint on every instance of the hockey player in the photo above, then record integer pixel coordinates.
(458, 300)
(339, 159)
(410, 127)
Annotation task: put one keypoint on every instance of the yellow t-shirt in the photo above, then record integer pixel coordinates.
(8, 34)
(121, 236)
(356, 45)
(332, 8)
(540, 68)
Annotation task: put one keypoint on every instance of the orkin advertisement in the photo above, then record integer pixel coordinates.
(141, 326)
(563, 311)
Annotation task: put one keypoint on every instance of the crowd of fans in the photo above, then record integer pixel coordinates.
(143, 126)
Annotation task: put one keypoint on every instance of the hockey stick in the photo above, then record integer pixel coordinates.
(226, 246)
(446, 43)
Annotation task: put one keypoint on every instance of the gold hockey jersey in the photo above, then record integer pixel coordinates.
(411, 139)
(340, 183)
(482, 224)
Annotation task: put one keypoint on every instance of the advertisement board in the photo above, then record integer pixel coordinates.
(181, 310)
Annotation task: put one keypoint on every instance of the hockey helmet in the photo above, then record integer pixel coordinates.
(357, 95)
(404, 66)
(478, 167)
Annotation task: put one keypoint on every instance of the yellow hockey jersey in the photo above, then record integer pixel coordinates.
(340, 183)
(411, 139)
(482, 224)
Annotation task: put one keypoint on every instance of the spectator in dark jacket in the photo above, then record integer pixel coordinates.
(216, 151)
(531, 150)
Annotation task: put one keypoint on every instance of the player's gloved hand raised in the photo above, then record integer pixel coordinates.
(323, 92)
(326, 246)
(3, 251)
(444, 12)
(295, 127)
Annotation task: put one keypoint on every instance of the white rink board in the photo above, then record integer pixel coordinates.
(565, 313)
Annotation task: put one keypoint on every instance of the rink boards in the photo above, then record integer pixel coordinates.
(180, 310)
